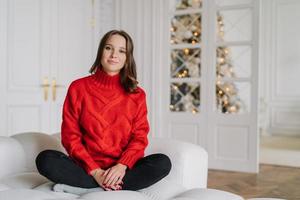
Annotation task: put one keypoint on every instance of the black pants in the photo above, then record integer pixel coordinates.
(59, 168)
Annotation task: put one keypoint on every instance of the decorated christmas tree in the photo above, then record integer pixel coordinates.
(186, 63)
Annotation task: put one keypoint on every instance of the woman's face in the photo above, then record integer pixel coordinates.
(114, 54)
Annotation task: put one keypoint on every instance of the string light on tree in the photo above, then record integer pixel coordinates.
(186, 51)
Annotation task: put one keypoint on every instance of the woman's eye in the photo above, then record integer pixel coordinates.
(122, 51)
(107, 48)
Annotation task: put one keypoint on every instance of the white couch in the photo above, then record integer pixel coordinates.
(187, 180)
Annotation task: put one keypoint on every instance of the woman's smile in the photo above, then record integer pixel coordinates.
(112, 62)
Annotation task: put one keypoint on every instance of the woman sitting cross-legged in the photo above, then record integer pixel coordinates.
(104, 128)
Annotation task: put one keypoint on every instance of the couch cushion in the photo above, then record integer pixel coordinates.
(163, 189)
(26, 180)
(115, 195)
(34, 143)
(12, 155)
(25, 194)
(4, 187)
(265, 199)
(207, 194)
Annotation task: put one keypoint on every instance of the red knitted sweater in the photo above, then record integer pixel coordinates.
(102, 124)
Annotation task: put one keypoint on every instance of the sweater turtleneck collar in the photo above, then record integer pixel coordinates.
(106, 81)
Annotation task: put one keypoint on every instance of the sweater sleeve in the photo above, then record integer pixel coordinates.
(138, 141)
(71, 134)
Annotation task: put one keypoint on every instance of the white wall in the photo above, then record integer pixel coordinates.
(280, 67)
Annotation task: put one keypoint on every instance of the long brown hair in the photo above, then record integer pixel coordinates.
(128, 72)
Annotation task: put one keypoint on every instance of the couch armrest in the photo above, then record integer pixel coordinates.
(12, 156)
(189, 161)
(33, 143)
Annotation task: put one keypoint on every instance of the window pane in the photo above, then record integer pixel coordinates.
(234, 25)
(185, 63)
(184, 4)
(185, 97)
(186, 29)
(233, 61)
(233, 97)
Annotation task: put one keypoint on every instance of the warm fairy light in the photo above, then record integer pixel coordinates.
(218, 82)
(226, 51)
(183, 74)
(196, 33)
(186, 51)
(221, 60)
(194, 111)
(172, 41)
(232, 109)
(193, 41)
(220, 92)
(172, 29)
(227, 89)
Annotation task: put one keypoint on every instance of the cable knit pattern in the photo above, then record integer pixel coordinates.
(102, 124)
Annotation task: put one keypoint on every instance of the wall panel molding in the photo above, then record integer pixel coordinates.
(16, 115)
(224, 135)
(20, 15)
(279, 89)
(285, 68)
(285, 121)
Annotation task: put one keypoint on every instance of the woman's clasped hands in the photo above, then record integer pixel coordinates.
(110, 179)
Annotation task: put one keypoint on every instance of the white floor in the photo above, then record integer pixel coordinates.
(279, 150)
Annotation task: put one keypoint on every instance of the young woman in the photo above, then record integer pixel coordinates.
(105, 127)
